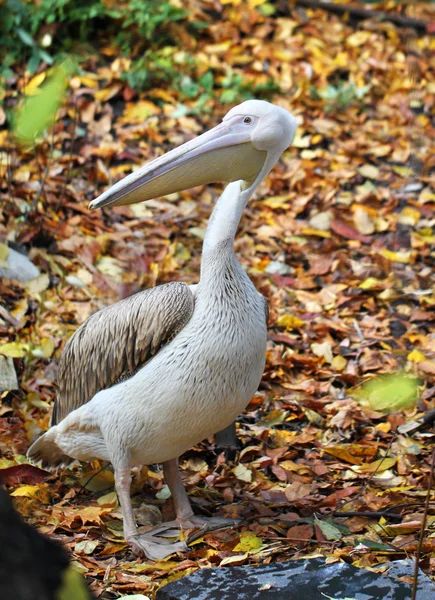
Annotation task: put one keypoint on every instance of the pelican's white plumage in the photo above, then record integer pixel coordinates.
(175, 365)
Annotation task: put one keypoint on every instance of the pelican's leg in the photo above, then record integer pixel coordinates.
(185, 519)
(182, 506)
(146, 544)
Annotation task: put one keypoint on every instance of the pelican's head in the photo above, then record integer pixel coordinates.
(245, 146)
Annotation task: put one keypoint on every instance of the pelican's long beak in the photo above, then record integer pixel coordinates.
(225, 153)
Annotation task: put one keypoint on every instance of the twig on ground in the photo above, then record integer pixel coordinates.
(375, 514)
(358, 330)
(364, 487)
(423, 527)
(365, 13)
(4, 314)
(380, 513)
(70, 159)
(43, 173)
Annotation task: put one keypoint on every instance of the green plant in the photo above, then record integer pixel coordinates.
(340, 97)
(236, 89)
(33, 33)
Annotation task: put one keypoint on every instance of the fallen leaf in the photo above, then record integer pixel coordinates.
(23, 474)
(248, 542)
(369, 171)
(388, 392)
(301, 533)
(14, 349)
(378, 465)
(242, 473)
(348, 232)
(289, 322)
(323, 350)
(297, 491)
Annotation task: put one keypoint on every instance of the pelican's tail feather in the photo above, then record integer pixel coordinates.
(46, 453)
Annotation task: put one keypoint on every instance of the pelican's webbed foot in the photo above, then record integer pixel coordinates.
(153, 547)
(195, 525)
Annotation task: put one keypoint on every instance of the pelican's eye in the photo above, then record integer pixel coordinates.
(247, 120)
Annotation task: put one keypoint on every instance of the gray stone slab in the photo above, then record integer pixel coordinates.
(299, 580)
(18, 267)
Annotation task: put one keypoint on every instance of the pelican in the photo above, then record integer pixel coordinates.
(142, 381)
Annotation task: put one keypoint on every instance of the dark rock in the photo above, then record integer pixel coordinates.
(299, 580)
(397, 329)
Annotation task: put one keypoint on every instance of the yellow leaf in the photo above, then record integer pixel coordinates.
(416, 356)
(223, 46)
(318, 232)
(275, 417)
(277, 202)
(38, 492)
(369, 283)
(369, 171)
(378, 465)
(32, 87)
(358, 38)
(384, 427)
(89, 82)
(92, 514)
(108, 93)
(20, 309)
(409, 216)
(26, 490)
(45, 350)
(339, 363)
(402, 256)
(248, 542)
(354, 454)
(388, 294)
(289, 322)
(403, 171)
(14, 349)
(4, 252)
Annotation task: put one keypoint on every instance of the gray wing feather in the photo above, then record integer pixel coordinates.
(115, 342)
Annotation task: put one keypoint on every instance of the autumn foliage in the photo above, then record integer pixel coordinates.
(339, 239)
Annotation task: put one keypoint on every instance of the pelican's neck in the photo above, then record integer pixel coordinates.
(225, 218)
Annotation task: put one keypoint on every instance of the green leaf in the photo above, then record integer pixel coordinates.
(34, 61)
(329, 530)
(73, 586)
(164, 493)
(388, 393)
(39, 111)
(25, 37)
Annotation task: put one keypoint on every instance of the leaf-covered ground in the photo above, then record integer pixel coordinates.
(340, 240)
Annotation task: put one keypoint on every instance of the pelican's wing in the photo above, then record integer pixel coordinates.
(115, 342)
